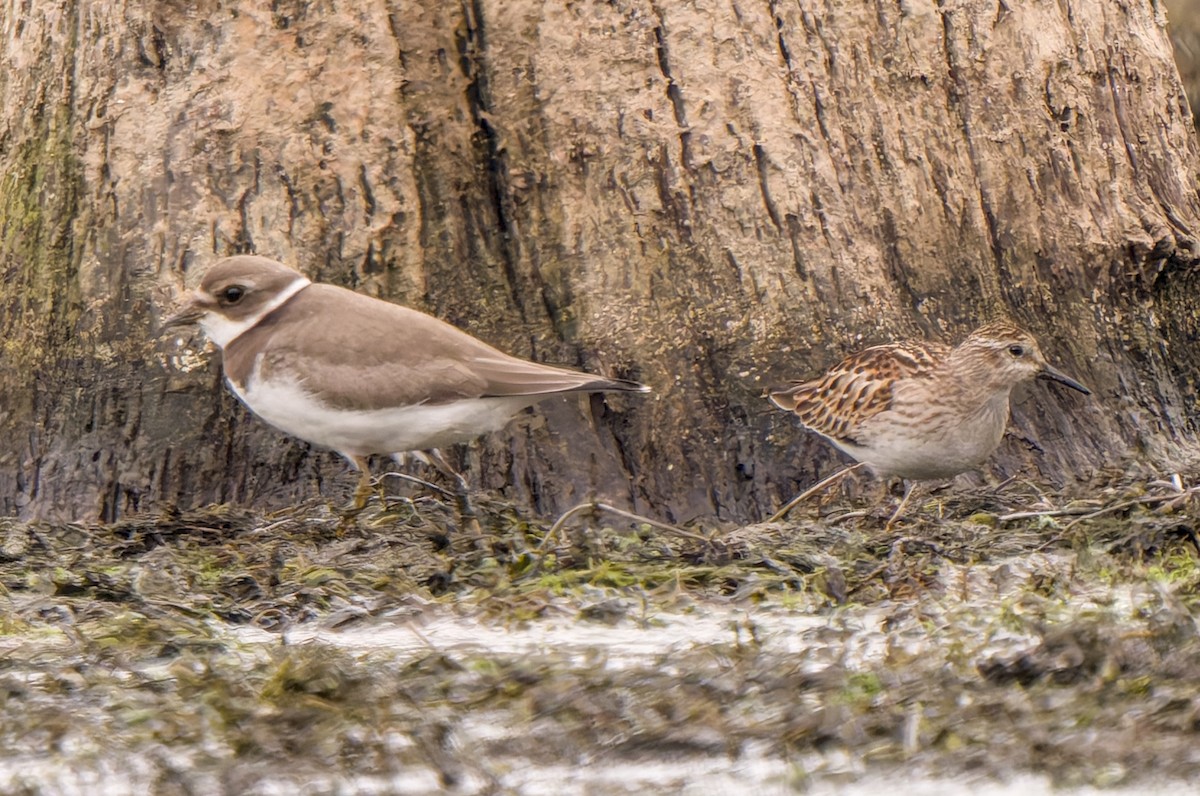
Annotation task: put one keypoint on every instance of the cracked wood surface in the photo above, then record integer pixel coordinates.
(710, 201)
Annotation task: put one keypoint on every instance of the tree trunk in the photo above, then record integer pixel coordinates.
(711, 201)
(1184, 16)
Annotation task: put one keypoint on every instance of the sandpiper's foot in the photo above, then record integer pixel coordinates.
(908, 490)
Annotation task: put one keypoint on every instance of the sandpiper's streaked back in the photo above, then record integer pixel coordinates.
(922, 410)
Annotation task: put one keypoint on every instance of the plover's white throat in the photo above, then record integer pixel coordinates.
(360, 375)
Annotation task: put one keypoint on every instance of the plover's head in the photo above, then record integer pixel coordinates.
(1004, 355)
(236, 294)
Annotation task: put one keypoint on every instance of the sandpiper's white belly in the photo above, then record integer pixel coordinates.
(923, 441)
(288, 407)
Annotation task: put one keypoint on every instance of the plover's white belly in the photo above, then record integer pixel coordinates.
(289, 408)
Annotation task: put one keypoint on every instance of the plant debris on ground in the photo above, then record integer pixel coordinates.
(990, 632)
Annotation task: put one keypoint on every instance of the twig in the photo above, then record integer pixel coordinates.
(272, 526)
(1083, 514)
(1150, 500)
(812, 490)
(418, 481)
(629, 515)
(582, 507)
(1026, 515)
(561, 521)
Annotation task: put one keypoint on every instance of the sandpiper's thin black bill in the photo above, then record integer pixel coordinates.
(1062, 378)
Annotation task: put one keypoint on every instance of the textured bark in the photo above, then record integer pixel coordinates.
(709, 199)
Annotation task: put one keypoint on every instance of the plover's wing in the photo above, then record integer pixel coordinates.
(508, 376)
(858, 387)
(355, 352)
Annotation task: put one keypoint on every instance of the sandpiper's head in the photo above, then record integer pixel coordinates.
(235, 294)
(1004, 355)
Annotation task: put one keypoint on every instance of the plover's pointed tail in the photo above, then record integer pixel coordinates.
(511, 377)
(612, 385)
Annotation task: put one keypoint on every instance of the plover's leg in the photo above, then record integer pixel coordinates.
(462, 492)
(362, 493)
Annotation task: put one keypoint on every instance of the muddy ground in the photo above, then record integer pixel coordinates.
(994, 635)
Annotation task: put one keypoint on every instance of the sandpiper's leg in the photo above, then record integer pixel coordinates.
(462, 492)
(812, 490)
(908, 490)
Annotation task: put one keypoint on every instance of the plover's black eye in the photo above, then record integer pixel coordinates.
(1016, 350)
(232, 294)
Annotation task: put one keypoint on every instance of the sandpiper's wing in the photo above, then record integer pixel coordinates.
(858, 387)
(355, 352)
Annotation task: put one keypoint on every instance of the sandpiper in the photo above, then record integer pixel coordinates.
(922, 410)
(360, 375)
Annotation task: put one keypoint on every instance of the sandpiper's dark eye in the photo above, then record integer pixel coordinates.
(1016, 350)
(232, 294)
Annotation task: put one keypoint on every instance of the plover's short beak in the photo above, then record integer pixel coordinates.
(1051, 374)
(190, 313)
